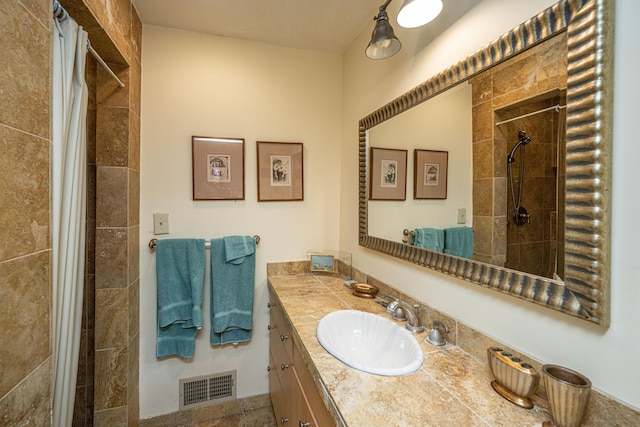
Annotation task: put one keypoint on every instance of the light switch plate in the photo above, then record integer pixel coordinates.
(462, 216)
(160, 223)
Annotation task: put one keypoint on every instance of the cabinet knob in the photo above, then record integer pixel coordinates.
(284, 366)
(269, 369)
(269, 327)
(284, 420)
(284, 337)
(303, 424)
(269, 305)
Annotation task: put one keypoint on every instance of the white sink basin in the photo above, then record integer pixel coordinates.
(370, 343)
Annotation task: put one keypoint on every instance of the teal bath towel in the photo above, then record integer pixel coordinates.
(233, 267)
(458, 241)
(429, 238)
(180, 278)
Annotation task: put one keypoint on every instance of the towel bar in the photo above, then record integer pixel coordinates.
(207, 244)
(406, 232)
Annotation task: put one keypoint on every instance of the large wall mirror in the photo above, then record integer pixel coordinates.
(539, 222)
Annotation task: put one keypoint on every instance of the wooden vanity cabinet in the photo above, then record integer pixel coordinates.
(294, 396)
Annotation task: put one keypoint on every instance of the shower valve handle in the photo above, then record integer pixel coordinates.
(523, 217)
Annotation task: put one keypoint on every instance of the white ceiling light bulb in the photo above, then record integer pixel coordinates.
(415, 13)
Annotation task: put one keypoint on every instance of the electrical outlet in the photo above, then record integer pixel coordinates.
(160, 223)
(462, 216)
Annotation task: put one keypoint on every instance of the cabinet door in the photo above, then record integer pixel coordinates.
(280, 340)
(281, 407)
(308, 388)
(300, 413)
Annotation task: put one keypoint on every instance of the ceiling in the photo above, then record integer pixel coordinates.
(322, 25)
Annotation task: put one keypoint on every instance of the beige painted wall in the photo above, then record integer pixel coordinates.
(603, 355)
(195, 84)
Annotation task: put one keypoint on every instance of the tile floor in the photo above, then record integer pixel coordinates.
(261, 417)
(255, 411)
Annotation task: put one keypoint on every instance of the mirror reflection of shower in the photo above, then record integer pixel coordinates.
(530, 136)
(520, 215)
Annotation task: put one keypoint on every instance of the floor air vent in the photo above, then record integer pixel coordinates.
(207, 389)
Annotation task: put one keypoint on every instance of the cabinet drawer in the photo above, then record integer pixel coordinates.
(281, 407)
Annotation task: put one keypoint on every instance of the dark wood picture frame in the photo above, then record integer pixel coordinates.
(218, 168)
(280, 171)
(430, 173)
(388, 174)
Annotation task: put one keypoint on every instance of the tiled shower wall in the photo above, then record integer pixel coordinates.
(115, 32)
(25, 244)
(533, 247)
(83, 409)
(537, 72)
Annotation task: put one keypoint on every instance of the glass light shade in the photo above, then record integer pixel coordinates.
(414, 13)
(384, 42)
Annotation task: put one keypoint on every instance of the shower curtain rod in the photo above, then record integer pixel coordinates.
(61, 14)
(556, 107)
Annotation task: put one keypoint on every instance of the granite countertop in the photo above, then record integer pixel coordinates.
(452, 388)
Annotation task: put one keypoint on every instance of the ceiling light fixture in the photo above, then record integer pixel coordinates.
(413, 13)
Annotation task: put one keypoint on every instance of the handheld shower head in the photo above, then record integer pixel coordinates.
(523, 139)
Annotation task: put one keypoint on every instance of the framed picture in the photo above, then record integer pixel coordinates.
(430, 174)
(218, 168)
(280, 176)
(322, 263)
(388, 174)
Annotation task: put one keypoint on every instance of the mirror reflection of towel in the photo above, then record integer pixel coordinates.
(429, 238)
(458, 241)
(233, 265)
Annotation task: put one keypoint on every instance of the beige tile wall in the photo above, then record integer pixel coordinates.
(83, 405)
(115, 32)
(537, 71)
(25, 87)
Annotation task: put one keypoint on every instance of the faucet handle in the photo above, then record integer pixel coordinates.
(441, 324)
(435, 335)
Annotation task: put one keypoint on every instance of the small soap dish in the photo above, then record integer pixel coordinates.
(364, 290)
(515, 380)
(350, 283)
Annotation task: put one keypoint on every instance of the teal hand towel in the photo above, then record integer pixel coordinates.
(233, 266)
(458, 241)
(429, 238)
(236, 248)
(180, 282)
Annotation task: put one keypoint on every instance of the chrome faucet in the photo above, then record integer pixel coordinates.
(411, 313)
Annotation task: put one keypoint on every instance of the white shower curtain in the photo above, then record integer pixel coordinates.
(68, 216)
